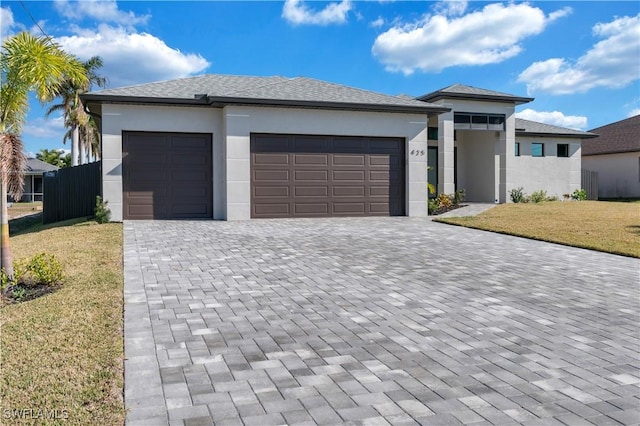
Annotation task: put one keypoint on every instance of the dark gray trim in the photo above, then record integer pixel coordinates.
(557, 135)
(221, 101)
(436, 96)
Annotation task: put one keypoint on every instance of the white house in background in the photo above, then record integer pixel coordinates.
(615, 155)
(33, 182)
(235, 147)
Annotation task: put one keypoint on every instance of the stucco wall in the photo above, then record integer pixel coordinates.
(231, 128)
(556, 175)
(477, 165)
(618, 174)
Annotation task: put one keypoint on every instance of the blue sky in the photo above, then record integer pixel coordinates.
(580, 60)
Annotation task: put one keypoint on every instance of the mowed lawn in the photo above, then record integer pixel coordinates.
(22, 209)
(61, 354)
(612, 227)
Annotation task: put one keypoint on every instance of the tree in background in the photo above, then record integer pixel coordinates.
(82, 129)
(57, 157)
(29, 64)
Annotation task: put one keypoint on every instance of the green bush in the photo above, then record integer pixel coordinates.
(539, 196)
(41, 269)
(458, 197)
(432, 205)
(517, 195)
(102, 212)
(579, 195)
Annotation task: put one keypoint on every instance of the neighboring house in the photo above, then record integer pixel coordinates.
(33, 179)
(615, 155)
(233, 147)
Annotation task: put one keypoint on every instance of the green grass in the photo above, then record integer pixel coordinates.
(64, 351)
(22, 209)
(612, 227)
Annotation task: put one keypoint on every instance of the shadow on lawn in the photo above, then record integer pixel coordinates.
(634, 228)
(33, 223)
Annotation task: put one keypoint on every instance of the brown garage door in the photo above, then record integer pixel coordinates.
(315, 176)
(167, 175)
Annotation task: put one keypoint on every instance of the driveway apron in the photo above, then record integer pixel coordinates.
(374, 321)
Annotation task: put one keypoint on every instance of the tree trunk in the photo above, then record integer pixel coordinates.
(75, 146)
(6, 260)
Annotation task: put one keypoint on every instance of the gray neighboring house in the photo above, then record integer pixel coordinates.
(33, 179)
(615, 156)
(240, 147)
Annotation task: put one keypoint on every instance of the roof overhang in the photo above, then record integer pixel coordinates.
(222, 101)
(556, 135)
(436, 96)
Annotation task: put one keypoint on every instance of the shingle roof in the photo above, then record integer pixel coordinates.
(37, 166)
(534, 128)
(462, 91)
(226, 89)
(621, 136)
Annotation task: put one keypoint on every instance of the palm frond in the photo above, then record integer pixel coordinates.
(12, 163)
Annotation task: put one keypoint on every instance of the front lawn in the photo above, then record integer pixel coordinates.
(612, 227)
(61, 354)
(23, 209)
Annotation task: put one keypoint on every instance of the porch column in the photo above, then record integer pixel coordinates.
(445, 153)
(506, 147)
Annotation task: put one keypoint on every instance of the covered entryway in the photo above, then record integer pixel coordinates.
(167, 175)
(319, 176)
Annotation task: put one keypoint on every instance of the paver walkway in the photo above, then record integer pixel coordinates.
(374, 321)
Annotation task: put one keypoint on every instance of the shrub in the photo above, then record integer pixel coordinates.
(517, 195)
(41, 269)
(579, 195)
(432, 205)
(444, 200)
(539, 196)
(102, 212)
(458, 197)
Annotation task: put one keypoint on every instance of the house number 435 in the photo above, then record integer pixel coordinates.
(417, 153)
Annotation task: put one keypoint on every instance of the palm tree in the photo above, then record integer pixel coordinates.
(82, 129)
(56, 157)
(29, 64)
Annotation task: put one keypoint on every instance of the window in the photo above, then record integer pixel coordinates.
(432, 133)
(517, 150)
(537, 150)
(563, 150)
(478, 121)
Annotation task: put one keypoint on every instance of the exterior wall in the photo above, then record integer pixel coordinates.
(119, 118)
(241, 121)
(477, 165)
(231, 128)
(618, 174)
(556, 175)
(499, 169)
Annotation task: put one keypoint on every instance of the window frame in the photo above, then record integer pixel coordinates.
(566, 153)
(516, 148)
(541, 149)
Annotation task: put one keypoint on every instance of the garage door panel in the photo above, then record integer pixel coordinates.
(167, 175)
(275, 159)
(311, 159)
(326, 176)
(270, 191)
(318, 209)
(311, 191)
(311, 175)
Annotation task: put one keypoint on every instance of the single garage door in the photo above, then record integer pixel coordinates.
(319, 176)
(167, 175)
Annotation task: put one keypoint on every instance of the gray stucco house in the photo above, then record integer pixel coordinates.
(33, 179)
(237, 147)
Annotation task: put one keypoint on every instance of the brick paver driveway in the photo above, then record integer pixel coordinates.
(374, 321)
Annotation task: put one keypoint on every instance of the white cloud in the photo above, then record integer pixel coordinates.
(377, 23)
(298, 13)
(120, 49)
(45, 128)
(555, 118)
(633, 112)
(8, 24)
(490, 35)
(612, 62)
(101, 10)
(451, 7)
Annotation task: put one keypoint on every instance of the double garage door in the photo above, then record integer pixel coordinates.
(169, 176)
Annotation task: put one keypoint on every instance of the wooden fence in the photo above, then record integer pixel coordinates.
(71, 192)
(590, 184)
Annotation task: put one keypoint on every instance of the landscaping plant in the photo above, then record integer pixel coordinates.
(102, 212)
(579, 195)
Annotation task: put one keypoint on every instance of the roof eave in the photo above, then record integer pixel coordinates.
(617, 151)
(436, 96)
(221, 101)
